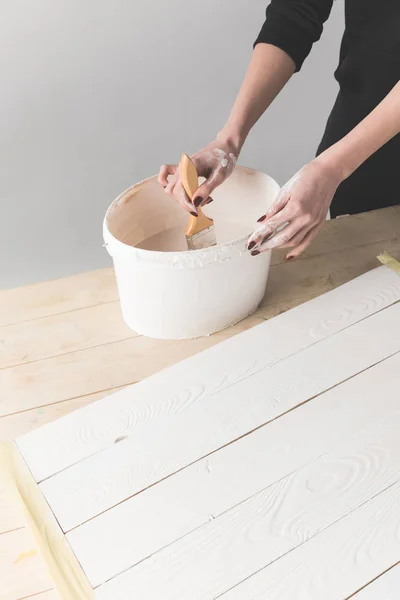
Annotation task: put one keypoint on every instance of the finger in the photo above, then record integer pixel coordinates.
(269, 226)
(164, 172)
(182, 198)
(283, 237)
(305, 242)
(218, 176)
(275, 207)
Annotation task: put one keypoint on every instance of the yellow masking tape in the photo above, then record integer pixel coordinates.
(390, 262)
(69, 579)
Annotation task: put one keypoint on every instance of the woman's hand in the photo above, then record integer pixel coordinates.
(215, 162)
(299, 211)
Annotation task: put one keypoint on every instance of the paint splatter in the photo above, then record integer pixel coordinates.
(24, 555)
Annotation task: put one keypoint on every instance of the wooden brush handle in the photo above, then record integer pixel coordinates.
(190, 183)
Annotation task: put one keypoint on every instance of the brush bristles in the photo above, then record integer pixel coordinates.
(202, 239)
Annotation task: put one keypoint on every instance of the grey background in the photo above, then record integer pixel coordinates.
(96, 94)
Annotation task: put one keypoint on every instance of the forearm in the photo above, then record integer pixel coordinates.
(382, 124)
(269, 70)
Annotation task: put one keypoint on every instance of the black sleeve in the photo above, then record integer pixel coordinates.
(294, 25)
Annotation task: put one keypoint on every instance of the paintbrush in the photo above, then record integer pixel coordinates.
(200, 232)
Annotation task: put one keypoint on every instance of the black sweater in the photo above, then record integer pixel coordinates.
(369, 67)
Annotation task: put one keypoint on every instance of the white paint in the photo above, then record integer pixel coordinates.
(205, 490)
(223, 483)
(239, 543)
(334, 564)
(386, 587)
(200, 428)
(166, 292)
(81, 434)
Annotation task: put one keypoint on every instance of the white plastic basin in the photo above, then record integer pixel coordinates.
(169, 292)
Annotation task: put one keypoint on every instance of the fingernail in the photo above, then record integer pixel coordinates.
(198, 201)
(194, 214)
(251, 245)
(261, 219)
(267, 237)
(209, 201)
(289, 257)
(255, 252)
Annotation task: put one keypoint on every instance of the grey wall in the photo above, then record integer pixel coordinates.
(96, 94)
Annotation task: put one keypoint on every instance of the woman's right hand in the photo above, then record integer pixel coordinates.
(215, 162)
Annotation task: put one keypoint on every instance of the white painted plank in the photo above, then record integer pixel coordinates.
(334, 564)
(105, 546)
(173, 441)
(214, 558)
(386, 587)
(80, 435)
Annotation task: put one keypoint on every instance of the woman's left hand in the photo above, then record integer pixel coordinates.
(298, 212)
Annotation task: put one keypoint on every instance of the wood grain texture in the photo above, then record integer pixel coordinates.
(236, 545)
(22, 572)
(60, 334)
(50, 595)
(165, 442)
(385, 587)
(78, 436)
(21, 423)
(88, 371)
(320, 274)
(344, 233)
(105, 546)
(58, 296)
(335, 563)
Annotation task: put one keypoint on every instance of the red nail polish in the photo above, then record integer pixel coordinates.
(261, 219)
(198, 201)
(255, 252)
(251, 245)
(194, 214)
(289, 257)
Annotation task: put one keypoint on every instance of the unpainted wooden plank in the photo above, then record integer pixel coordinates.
(60, 334)
(165, 443)
(10, 516)
(220, 555)
(22, 572)
(191, 498)
(335, 563)
(385, 587)
(357, 230)
(77, 436)
(50, 595)
(89, 371)
(57, 296)
(23, 422)
(320, 274)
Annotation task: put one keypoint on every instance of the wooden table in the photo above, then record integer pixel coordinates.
(63, 344)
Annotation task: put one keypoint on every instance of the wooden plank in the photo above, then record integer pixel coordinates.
(335, 563)
(320, 274)
(168, 442)
(77, 436)
(58, 296)
(60, 334)
(386, 587)
(50, 595)
(105, 546)
(10, 517)
(357, 230)
(21, 423)
(218, 556)
(89, 371)
(22, 572)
